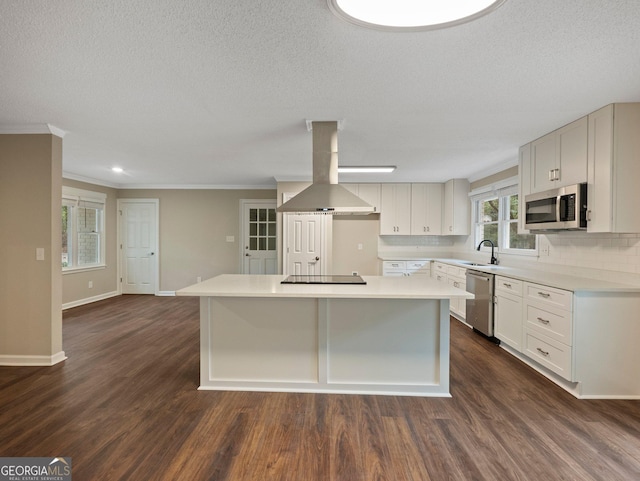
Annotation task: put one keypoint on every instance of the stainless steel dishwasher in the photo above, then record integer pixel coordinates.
(480, 309)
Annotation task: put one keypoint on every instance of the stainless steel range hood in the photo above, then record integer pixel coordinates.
(325, 195)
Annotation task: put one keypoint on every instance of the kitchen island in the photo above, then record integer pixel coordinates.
(390, 336)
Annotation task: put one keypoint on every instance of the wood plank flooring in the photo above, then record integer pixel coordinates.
(124, 406)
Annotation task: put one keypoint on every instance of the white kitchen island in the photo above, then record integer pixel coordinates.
(390, 336)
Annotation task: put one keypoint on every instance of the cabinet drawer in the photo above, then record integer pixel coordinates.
(394, 266)
(551, 354)
(419, 267)
(440, 267)
(455, 271)
(549, 296)
(506, 284)
(553, 323)
(440, 277)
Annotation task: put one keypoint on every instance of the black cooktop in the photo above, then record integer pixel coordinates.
(324, 280)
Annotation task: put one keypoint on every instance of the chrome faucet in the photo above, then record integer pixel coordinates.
(494, 260)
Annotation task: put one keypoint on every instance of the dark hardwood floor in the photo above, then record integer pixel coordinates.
(124, 406)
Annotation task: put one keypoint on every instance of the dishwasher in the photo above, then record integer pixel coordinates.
(480, 309)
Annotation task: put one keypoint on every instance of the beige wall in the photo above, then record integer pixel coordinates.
(194, 225)
(30, 289)
(348, 232)
(75, 284)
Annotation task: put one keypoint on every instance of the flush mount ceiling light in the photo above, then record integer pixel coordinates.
(117, 170)
(369, 169)
(412, 15)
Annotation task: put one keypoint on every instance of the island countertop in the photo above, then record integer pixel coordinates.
(377, 287)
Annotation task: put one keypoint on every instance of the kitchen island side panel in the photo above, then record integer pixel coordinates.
(359, 346)
(383, 341)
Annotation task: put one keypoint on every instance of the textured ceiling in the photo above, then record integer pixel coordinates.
(216, 93)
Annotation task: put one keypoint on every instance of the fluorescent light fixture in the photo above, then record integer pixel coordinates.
(117, 170)
(369, 169)
(411, 14)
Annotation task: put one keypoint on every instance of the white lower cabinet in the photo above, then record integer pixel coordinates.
(548, 320)
(508, 325)
(456, 277)
(394, 268)
(585, 341)
(406, 268)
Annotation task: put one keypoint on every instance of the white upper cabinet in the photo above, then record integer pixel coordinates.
(456, 218)
(560, 157)
(426, 209)
(613, 191)
(370, 193)
(395, 209)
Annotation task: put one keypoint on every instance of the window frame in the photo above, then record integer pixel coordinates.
(75, 199)
(502, 192)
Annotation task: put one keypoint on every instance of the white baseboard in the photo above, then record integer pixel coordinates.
(166, 293)
(11, 360)
(89, 300)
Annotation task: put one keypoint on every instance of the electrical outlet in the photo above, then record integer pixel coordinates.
(199, 279)
(359, 247)
(544, 249)
(90, 285)
(354, 273)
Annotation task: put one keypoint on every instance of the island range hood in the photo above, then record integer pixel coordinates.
(325, 195)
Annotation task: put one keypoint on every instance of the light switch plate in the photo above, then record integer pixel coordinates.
(231, 238)
(39, 253)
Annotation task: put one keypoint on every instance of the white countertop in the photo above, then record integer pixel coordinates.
(570, 283)
(560, 281)
(378, 287)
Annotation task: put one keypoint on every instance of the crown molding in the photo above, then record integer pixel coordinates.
(32, 129)
(196, 187)
(89, 180)
(93, 181)
(493, 170)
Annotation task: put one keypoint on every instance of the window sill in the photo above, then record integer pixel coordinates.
(74, 270)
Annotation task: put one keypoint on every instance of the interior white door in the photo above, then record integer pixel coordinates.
(139, 246)
(259, 232)
(304, 250)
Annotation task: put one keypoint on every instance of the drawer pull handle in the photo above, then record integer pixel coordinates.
(546, 295)
(544, 353)
(506, 285)
(543, 321)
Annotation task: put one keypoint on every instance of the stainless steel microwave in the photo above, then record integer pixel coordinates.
(564, 208)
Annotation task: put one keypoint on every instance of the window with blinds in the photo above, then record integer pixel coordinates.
(82, 229)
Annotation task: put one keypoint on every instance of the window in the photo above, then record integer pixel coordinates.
(82, 229)
(496, 219)
(262, 229)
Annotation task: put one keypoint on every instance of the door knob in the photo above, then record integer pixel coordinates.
(247, 255)
(317, 258)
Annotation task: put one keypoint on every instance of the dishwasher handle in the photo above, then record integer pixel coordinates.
(480, 275)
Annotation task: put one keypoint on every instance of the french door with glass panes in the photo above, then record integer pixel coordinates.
(259, 237)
